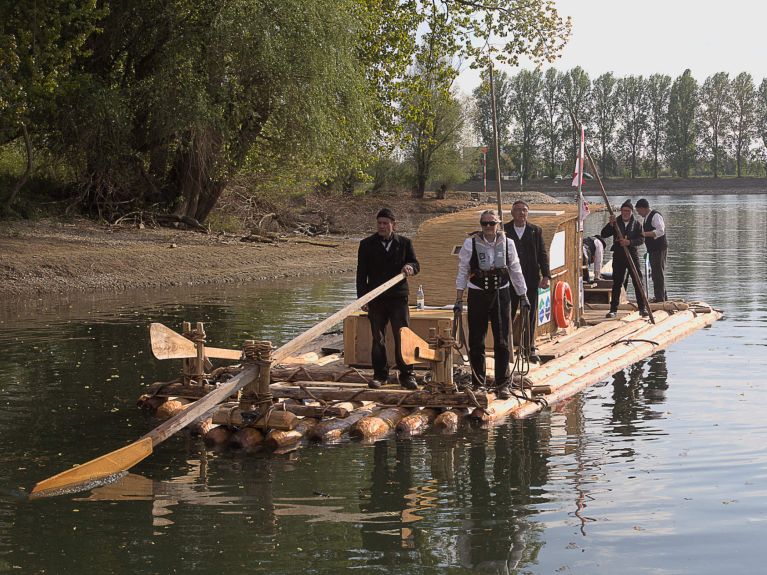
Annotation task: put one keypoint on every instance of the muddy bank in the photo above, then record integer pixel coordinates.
(58, 257)
(49, 257)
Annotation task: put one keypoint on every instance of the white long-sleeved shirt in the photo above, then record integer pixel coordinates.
(659, 225)
(515, 270)
(599, 254)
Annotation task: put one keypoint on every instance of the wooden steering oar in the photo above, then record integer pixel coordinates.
(113, 465)
(632, 268)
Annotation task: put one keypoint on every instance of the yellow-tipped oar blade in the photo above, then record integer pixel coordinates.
(97, 469)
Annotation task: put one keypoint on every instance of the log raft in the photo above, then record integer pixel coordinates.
(320, 399)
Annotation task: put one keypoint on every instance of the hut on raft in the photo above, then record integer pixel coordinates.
(321, 393)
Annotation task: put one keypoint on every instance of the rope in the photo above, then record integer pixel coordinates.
(634, 340)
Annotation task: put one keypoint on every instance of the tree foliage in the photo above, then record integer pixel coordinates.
(743, 118)
(605, 114)
(714, 117)
(658, 91)
(680, 143)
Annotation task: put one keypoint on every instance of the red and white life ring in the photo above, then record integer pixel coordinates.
(563, 304)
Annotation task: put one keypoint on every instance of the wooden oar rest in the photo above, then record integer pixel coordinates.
(437, 352)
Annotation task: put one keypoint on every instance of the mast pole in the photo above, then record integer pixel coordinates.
(496, 144)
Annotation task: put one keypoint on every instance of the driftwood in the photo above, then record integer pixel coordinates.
(333, 429)
(167, 219)
(280, 439)
(378, 424)
(417, 422)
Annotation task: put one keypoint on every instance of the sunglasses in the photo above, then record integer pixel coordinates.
(488, 223)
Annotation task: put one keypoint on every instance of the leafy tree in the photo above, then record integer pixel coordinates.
(432, 135)
(761, 114)
(744, 117)
(715, 117)
(527, 110)
(605, 113)
(632, 110)
(658, 90)
(39, 41)
(575, 93)
(680, 142)
(555, 122)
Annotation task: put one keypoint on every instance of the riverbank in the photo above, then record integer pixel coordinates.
(39, 257)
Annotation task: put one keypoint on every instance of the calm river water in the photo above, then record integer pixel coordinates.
(660, 469)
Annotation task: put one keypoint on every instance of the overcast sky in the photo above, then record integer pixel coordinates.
(661, 36)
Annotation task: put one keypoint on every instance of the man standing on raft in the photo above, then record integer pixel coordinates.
(534, 259)
(382, 256)
(486, 263)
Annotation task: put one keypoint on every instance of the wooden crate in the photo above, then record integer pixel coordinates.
(358, 339)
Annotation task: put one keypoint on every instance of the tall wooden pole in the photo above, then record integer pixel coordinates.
(496, 144)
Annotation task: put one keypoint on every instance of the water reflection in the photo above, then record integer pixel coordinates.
(637, 390)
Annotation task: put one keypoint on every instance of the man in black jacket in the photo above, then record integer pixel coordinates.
(632, 237)
(528, 239)
(382, 256)
(654, 232)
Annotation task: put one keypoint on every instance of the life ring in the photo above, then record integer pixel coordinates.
(563, 304)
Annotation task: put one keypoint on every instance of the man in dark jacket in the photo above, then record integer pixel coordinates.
(654, 232)
(382, 256)
(631, 233)
(528, 239)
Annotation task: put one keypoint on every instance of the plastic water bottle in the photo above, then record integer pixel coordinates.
(419, 298)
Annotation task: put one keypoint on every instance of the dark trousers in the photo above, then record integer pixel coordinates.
(658, 272)
(532, 296)
(493, 305)
(620, 271)
(380, 313)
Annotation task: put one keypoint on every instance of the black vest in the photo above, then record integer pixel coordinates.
(653, 244)
(491, 279)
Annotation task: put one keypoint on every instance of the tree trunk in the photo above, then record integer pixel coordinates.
(198, 186)
(27, 171)
(420, 189)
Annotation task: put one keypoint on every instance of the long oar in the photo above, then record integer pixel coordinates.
(167, 344)
(112, 466)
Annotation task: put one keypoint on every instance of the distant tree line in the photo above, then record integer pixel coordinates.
(635, 125)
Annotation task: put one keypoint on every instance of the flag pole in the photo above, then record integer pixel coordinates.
(581, 218)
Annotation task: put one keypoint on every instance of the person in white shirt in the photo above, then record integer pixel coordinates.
(487, 264)
(593, 253)
(654, 232)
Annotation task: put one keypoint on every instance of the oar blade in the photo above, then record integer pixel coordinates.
(99, 471)
(167, 344)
